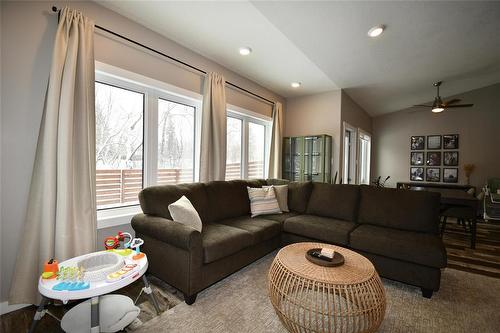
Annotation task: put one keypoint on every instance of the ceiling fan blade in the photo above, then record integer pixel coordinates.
(459, 106)
(424, 106)
(453, 101)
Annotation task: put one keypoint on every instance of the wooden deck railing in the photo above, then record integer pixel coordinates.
(115, 187)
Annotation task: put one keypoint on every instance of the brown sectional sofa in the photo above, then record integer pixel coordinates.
(396, 229)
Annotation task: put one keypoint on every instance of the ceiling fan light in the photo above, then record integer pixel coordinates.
(437, 109)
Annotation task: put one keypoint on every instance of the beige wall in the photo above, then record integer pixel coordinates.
(354, 114)
(27, 33)
(479, 129)
(315, 114)
(325, 113)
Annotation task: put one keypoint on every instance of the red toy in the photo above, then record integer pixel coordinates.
(113, 242)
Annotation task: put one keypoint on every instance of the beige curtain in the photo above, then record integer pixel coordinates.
(61, 215)
(213, 129)
(276, 141)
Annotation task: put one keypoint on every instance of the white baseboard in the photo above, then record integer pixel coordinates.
(6, 308)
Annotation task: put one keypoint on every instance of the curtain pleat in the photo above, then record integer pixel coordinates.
(275, 153)
(61, 215)
(213, 129)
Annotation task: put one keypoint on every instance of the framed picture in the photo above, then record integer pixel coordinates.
(417, 142)
(433, 158)
(450, 141)
(417, 158)
(433, 174)
(450, 158)
(434, 142)
(417, 174)
(450, 175)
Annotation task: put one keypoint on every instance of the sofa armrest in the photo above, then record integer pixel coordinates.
(167, 231)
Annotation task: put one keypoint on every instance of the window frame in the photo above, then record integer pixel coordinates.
(247, 116)
(152, 90)
(113, 83)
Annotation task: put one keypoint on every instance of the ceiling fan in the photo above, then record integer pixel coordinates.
(439, 106)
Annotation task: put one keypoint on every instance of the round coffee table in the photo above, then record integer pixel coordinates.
(312, 298)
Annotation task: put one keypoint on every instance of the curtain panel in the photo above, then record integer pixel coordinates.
(275, 151)
(61, 215)
(213, 129)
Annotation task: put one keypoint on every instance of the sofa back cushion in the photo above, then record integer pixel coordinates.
(228, 199)
(334, 200)
(298, 196)
(156, 199)
(399, 209)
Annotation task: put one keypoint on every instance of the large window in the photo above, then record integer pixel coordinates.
(144, 136)
(247, 146)
(119, 145)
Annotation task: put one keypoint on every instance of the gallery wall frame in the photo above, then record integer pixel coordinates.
(434, 158)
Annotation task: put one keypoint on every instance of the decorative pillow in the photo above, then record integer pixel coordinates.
(263, 201)
(182, 211)
(281, 192)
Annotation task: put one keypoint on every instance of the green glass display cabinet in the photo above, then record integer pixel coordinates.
(308, 158)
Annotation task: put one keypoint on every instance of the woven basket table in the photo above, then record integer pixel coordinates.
(312, 298)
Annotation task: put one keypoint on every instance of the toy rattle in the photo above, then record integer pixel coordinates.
(136, 245)
(113, 242)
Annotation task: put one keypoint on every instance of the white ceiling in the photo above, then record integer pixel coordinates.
(324, 44)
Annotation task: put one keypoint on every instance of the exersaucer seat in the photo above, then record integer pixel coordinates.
(115, 313)
(98, 265)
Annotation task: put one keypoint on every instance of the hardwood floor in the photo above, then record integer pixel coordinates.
(484, 259)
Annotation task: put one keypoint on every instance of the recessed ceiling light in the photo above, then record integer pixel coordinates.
(245, 50)
(376, 31)
(295, 84)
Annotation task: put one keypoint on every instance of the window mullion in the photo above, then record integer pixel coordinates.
(151, 139)
(244, 148)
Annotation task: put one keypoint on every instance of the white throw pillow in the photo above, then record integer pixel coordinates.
(281, 192)
(263, 201)
(182, 211)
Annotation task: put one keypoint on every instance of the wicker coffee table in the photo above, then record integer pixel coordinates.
(312, 298)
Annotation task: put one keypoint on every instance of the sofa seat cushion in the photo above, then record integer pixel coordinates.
(280, 217)
(219, 241)
(260, 228)
(321, 228)
(415, 247)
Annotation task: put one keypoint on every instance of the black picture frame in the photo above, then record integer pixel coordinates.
(417, 174)
(417, 158)
(450, 158)
(417, 142)
(450, 141)
(432, 144)
(450, 175)
(433, 158)
(433, 175)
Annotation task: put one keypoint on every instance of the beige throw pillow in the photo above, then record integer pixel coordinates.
(183, 211)
(281, 192)
(263, 201)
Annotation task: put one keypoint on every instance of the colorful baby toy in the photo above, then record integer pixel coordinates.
(113, 242)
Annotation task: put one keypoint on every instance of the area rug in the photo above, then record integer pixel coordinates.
(466, 302)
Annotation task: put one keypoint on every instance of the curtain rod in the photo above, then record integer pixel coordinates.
(56, 10)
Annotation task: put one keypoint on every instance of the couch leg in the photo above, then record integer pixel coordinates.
(189, 299)
(427, 293)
